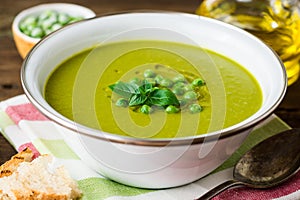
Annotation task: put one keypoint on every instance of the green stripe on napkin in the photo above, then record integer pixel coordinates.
(57, 148)
(5, 120)
(100, 188)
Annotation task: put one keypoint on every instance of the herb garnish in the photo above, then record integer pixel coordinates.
(155, 91)
(145, 94)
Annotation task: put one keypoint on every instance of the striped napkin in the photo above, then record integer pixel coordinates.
(23, 126)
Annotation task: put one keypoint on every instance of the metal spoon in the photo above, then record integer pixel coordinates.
(267, 164)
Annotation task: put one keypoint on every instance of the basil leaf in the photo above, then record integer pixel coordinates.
(124, 89)
(137, 99)
(146, 88)
(163, 97)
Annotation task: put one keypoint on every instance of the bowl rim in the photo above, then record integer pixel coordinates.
(42, 7)
(152, 142)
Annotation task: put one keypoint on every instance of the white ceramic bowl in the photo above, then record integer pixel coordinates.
(155, 163)
(24, 42)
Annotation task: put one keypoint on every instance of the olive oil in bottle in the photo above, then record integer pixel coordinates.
(276, 22)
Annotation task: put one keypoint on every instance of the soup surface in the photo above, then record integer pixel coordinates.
(79, 88)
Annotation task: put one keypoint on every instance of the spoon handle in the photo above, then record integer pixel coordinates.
(218, 189)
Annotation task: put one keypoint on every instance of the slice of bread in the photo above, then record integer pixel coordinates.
(38, 179)
(10, 166)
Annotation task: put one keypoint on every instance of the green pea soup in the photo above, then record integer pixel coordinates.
(78, 89)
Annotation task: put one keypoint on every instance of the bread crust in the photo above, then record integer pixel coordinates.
(11, 165)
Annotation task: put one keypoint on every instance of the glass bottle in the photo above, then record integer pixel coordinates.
(276, 22)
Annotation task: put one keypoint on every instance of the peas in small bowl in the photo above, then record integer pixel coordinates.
(32, 24)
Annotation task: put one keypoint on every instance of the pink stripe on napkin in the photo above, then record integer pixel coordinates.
(24, 112)
(244, 193)
(29, 145)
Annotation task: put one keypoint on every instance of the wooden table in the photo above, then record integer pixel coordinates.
(10, 61)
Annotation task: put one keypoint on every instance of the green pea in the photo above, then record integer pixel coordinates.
(44, 15)
(31, 20)
(190, 95)
(172, 109)
(63, 18)
(47, 24)
(182, 102)
(135, 81)
(23, 27)
(166, 83)
(148, 73)
(179, 78)
(195, 108)
(188, 88)
(48, 31)
(179, 84)
(122, 102)
(37, 32)
(26, 32)
(75, 19)
(56, 27)
(178, 91)
(53, 15)
(198, 82)
(158, 78)
(30, 27)
(146, 109)
(151, 81)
